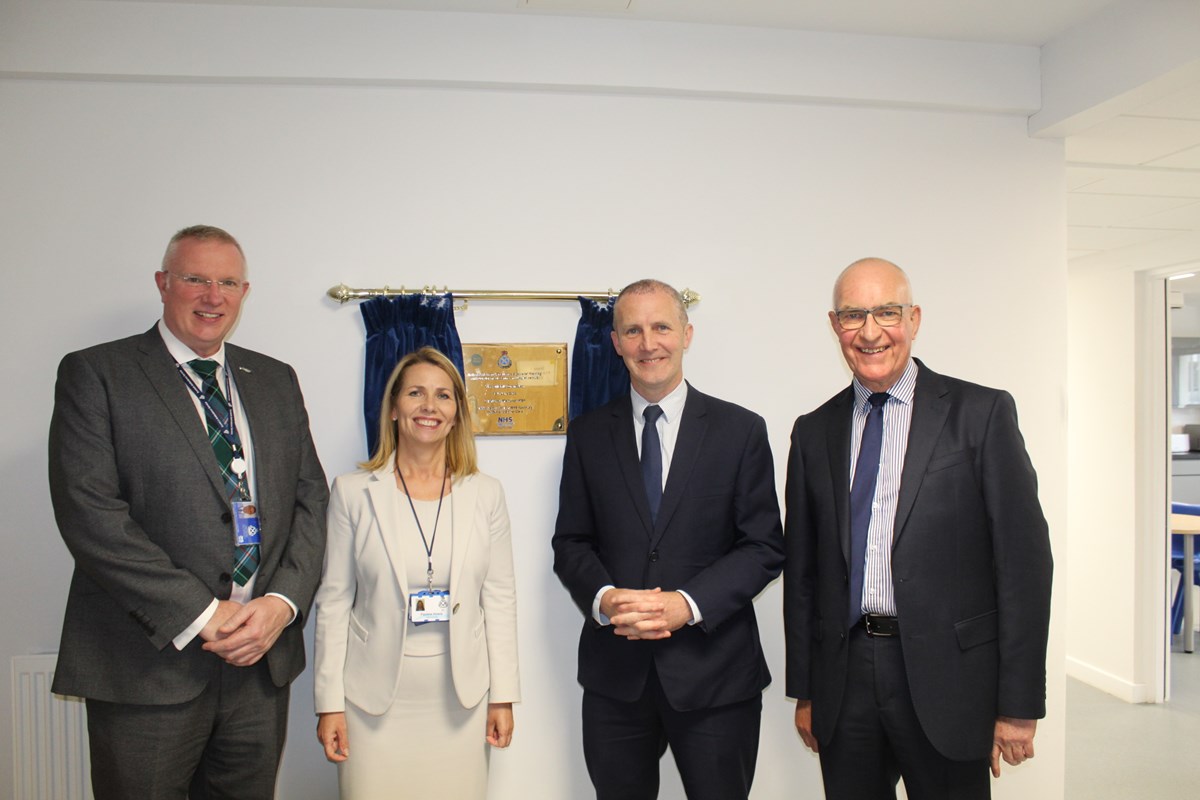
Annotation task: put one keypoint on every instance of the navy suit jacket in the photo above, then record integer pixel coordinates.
(971, 565)
(717, 537)
(141, 505)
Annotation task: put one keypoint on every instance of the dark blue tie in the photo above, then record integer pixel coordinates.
(652, 459)
(862, 495)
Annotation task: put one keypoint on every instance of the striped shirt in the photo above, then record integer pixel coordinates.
(878, 596)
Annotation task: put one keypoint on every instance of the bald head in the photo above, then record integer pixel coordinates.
(876, 353)
(873, 270)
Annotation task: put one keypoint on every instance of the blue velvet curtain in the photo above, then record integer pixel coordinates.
(395, 327)
(597, 373)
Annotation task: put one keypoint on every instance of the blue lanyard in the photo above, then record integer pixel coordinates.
(228, 426)
(431, 541)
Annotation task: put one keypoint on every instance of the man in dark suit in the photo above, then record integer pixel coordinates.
(186, 486)
(917, 586)
(668, 526)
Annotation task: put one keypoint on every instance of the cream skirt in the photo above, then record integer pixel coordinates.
(425, 746)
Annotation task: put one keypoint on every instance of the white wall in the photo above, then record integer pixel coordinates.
(756, 205)
(1100, 640)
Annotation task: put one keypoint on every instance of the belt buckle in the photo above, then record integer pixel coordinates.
(872, 630)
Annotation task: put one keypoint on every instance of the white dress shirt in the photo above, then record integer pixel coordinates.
(878, 595)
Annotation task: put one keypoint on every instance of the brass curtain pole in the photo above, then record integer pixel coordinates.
(343, 293)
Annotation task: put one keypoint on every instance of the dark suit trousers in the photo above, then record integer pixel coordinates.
(715, 749)
(225, 743)
(878, 738)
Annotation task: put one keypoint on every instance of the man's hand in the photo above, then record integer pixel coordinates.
(1013, 739)
(331, 733)
(804, 725)
(645, 613)
(248, 634)
(225, 610)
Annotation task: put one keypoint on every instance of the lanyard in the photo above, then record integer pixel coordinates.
(433, 539)
(227, 426)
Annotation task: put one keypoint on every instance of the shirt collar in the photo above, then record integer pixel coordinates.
(181, 352)
(901, 390)
(672, 404)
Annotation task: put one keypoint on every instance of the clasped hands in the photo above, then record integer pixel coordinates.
(242, 634)
(645, 613)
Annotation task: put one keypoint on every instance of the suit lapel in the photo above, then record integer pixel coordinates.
(621, 434)
(693, 426)
(462, 502)
(385, 503)
(839, 432)
(160, 370)
(930, 409)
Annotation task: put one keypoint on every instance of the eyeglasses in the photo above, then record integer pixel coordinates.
(228, 286)
(851, 319)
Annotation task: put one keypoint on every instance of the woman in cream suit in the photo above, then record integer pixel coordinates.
(416, 644)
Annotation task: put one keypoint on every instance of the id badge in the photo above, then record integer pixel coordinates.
(246, 529)
(426, 606)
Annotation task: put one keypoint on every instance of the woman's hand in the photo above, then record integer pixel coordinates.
(331, 733)
(499, 724)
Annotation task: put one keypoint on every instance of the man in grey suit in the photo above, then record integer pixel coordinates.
(186, 486)
(917, 585)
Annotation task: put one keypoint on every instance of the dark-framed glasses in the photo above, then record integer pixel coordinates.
(851, 319)
(228, 286)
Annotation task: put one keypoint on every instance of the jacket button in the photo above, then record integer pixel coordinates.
(224, 577)
(654, 555)
(226, 517)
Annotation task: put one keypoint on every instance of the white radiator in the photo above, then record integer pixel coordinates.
(50, 748)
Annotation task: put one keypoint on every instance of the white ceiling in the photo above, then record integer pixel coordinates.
(1027, 22)
(1133, 181)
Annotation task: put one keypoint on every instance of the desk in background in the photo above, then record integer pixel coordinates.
(1187, 526)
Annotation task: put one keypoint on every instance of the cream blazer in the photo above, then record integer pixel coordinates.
(361, 606)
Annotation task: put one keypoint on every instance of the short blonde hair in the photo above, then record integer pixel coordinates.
(460, 444)
(650, 286)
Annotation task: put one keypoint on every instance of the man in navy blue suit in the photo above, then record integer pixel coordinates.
(917, 587)
(668, 526)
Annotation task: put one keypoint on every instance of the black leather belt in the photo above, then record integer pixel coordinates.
(879, 625)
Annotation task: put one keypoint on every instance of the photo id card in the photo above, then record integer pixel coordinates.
(246, 528)
(426, 606)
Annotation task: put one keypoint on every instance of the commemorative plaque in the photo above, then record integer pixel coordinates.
(516, 389)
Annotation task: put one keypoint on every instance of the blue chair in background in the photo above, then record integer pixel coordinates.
(1192, 509)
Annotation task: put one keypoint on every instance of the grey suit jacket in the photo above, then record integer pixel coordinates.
(971, 565)
(140, 503)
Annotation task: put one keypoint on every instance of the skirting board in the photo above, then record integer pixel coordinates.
(1107, 682)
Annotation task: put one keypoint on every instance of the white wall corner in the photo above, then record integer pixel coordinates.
(1129, 54)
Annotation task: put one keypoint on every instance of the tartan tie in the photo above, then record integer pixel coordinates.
(225, 445)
